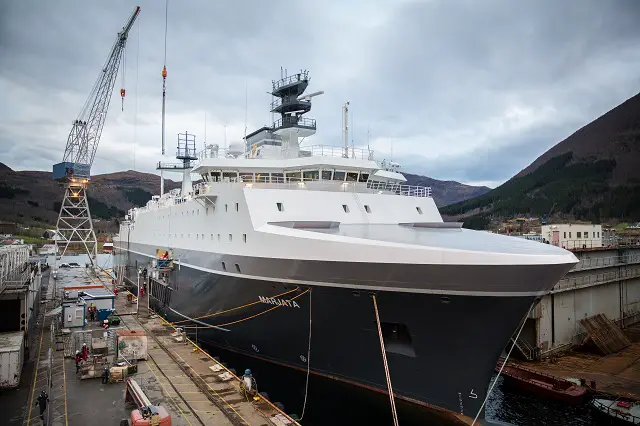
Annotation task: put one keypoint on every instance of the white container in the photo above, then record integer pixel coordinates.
(11, 358)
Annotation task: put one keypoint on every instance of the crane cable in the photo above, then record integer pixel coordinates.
(123, 74)
(386, 366)
(164, 69)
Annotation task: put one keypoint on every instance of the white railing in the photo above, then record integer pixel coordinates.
(336, 151)
(205, 188)
(309, 151)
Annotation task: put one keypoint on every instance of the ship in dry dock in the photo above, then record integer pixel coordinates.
(276, 234)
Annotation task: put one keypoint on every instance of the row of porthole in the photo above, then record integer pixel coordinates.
(224, 267)
(345, 207)
(200, 236)
(197, 211)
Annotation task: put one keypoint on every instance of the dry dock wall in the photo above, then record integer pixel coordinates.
(605, 281)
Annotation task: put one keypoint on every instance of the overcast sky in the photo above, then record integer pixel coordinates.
(471, 91)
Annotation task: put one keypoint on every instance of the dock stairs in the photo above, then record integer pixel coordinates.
(525, 348)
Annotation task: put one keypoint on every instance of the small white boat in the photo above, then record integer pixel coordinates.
(616, 411)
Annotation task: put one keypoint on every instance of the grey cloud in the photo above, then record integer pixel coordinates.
(465, 90)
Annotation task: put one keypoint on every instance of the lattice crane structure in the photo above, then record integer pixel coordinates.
(74, 226)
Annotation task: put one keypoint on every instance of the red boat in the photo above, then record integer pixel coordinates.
(544, 385)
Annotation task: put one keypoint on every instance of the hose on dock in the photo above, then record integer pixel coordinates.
(486, 398)
(386, 366)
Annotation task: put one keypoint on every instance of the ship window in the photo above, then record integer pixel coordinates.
(326, 174)
(337, 175)
(188, 235)
(230, 237)
(238, 268)
(310, 175)
(197, 236)
(226, 207)
(419, 210)
(293, 176)
(367, 208)
(244, 238)
(211, 237)
(565, 235)
(181, 235)
(224, 267)
(206, 211)
(229, 175)
(280, 207)
(397, 339)
(352, 177)
(569, 234)
(237, 207)
(578, 235)
(345, 208)
(598, 235)
(277, 177)
(363, 177)
(215, 176)
(262, 178)
(246, 177)
(218, 237)
(202, 236)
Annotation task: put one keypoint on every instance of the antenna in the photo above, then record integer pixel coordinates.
(246, 106)
(345, 129)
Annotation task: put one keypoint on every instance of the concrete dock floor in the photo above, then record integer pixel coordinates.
(616, 374)
(176, 376)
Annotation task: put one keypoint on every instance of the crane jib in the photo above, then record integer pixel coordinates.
(84, 137)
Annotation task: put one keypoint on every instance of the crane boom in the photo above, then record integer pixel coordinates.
(74, 226)
(84, 137)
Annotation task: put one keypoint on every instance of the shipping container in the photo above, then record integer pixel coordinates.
(11, 358)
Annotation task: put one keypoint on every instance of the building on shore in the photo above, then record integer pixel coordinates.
(573, 236)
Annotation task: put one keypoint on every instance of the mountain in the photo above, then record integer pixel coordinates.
(593, 175)
(446, 191)
(33, 198)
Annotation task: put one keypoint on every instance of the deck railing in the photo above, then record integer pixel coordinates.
(205, 188)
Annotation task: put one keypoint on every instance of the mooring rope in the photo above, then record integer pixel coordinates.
(386, 366)
(306, 386)
(486, 398)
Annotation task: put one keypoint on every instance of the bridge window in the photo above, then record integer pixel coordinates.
(311, 175)
(363, 177)
(246, 177)
(229, 175)
(277, 177)
(352, 177)
(338, 175)
(326, 174)
(294, 176)
(215, 176)
(262, 177)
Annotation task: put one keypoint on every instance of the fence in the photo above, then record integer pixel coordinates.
(571, 283)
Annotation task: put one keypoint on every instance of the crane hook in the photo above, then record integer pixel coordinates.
(122, 93)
